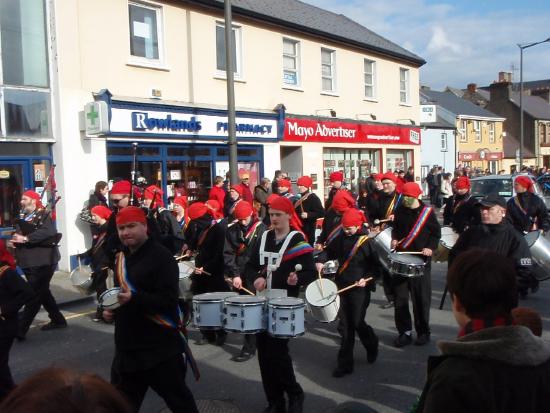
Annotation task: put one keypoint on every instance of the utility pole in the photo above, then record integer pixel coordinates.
(229, 73)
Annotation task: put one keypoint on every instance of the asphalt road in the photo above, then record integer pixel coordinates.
(390, 385)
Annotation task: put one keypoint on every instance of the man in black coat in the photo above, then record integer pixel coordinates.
(415, 228)
(461, 210)
(493, 366)
(148, 353)
(309, 208)
(36, 251)
(526, 211)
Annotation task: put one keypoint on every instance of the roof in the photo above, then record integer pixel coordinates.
(535, 106)
(440, 123)
(454, 90)
(314, 20)
(456, 105)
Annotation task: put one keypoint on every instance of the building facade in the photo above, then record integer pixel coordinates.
(438, 138)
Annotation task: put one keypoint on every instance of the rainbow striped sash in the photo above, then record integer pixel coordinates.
(248, 237)
(333, 234)
(162, 320)
(393, 205)
(300, 248)
(352, 253)
(417, 227)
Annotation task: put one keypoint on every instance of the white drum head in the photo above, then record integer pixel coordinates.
(321, 297)
(109, 299)
(81, 278)
(272, 293)
(187, 268)
(287, 302)
(245, 300)
(216, 296)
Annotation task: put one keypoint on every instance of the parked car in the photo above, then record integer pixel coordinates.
(503, 185)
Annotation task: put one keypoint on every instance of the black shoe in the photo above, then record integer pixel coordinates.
(296, 403)
(372, 351)
(341, 372)
(243, 356)
(422, 339)
(275, 408)
(21, 337)
(402, 340)
(52, 326)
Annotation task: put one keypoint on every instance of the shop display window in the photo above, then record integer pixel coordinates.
(398, 159)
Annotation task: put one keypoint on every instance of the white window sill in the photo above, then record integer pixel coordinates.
(405, 104)
(148, 65)
(326, 93)
(235, 78)
(295, 88)
(373, 100)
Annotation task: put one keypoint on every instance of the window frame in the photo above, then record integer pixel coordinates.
(463, 130)
(238, 69)
(407, 86)
(492, 127)
(298, 62)
(373, 74)
(159, 15)
(444, 146)
(333, 71)
(477, 131)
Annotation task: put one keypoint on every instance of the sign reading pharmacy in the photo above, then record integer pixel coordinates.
(174, 124)
(314, 130)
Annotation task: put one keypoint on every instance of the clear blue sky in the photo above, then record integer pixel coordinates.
(463, 41)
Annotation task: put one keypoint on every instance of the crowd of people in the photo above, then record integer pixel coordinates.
(268, 237)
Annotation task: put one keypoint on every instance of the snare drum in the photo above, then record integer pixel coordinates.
(187, 268)
(382, 245)
(447, 241)
(324, 305)
(272, 293)
(109, 299)
(81, 278)
(245, 314)
(405, 265)
(208, 309)
(286, 317)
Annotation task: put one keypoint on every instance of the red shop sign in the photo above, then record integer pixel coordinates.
(313, 130)
(468, 156)
(494, 156)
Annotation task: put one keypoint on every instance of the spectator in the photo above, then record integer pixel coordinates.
(261, 192)
(409, 176)
(64, 391)
(493, 365)
(446, 188)
(99, 196)
(218, 192)
(275, 184)
(245, 186)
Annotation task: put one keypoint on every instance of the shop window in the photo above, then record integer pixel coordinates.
(247, 152)
(24, 47)
(24, 149)
(127, 150)
(356, 165)
(370, 78)
(328, 70)
(145, 32)
(291, 62)
(397, 159)
(27, 113)
(220, 49)
(189, 152)
(190, 178)
(222, 152)
(404, 85)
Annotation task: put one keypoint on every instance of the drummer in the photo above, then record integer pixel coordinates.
(526, 210)
(240, 239)
(353, 249)
(461, 210)
(343, 200)
(309, 208)
(273, 354)
(415, 229)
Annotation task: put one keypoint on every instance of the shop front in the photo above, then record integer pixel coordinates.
(356, 148)
(482, 159)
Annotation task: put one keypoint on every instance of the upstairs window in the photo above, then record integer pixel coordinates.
(403, 85)
(328, 70)
(145, 33)
(477, 130)
(369, 78)
(491, 132)
(291, 62)
(220, 49)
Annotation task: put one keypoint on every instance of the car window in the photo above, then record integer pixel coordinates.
(482, 187)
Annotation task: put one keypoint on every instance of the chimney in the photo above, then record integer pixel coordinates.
(472, 87)
(504, 77)
(500, 92)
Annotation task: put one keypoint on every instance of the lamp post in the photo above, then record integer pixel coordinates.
(521, 48)
(229, 64)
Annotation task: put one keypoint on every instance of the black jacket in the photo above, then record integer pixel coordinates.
(235, 258)
(501, 238)
(382, 207)
(96, 199)
(170, 232)
(311, 205)
(495, 370)
(14, 294)
(536, 211)
(255, 269)
(405, 218)
(331, 221)
(461, 211)
(41, 249)
(332, 192)
(97, 253)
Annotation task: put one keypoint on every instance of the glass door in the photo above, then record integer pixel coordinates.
(12, 185)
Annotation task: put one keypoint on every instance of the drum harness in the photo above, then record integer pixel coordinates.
(272, 260)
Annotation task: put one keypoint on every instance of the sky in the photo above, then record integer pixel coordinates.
(462, 41)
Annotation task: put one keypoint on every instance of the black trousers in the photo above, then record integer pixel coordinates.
(249, 343)
(353, 308)
(387, 284)
(420, 289)
(276, 368)
(6, 380)
(39, 278)
(99, 282)
(167, 379)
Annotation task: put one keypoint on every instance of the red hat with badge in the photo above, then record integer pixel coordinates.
(131, 214)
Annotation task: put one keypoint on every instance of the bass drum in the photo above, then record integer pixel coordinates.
(540, 252)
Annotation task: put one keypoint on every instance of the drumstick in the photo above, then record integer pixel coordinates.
(349, 287)
(230, 281)
(204, 272)
(379, 221)
(321, 283)
(410, 252)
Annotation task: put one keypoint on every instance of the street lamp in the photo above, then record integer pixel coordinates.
(521, 48)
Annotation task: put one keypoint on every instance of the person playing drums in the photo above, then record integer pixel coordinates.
(415, 229)
(353, 249)
(309, 208)
(526, 211)
(274, 266)
(461, 210)
(343, 200)
(240, 239)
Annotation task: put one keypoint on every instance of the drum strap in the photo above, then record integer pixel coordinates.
(250, 233)
(299, 202)
(459, 204)
(417, 227)
(333, 234)
(352, 253)
(517, 203)
(272, 260)
(162, 320)
(393, 205)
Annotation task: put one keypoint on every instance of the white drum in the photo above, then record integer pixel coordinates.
(286, 317)
(109, 299)
(81, 278)
(208, 310)
(187, 268)
(272, 293)
(245, 314)
(448, 237)
(324, 302)
(330, 267)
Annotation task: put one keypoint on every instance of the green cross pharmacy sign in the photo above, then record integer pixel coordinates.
(96, 118)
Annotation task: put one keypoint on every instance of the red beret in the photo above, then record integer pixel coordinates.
(197, 210)
(337, 176)
(243, 210)
(391, 176)
(121, 188)
(271, 198)
(150, 192)
(131, 214)
(101, 211)
(285, 183)
(181, 201)
(378, 177)
(462, 182)
(34, 195)
(524, 181)
(282, 204)
(353, 218)
(342, 201)
(238, 189)
(411, 189)
(305, 181)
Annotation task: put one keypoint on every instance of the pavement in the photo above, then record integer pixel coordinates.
(64, 292)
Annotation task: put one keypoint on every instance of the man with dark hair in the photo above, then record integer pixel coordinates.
(493, 365)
